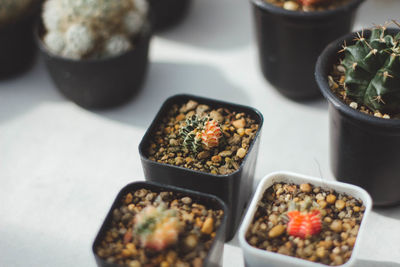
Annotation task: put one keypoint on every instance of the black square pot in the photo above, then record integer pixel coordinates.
(99, 83)
(364, 150)
(289, 43)
(214, 257)
(17, 45)
(234, 189)
(168, 13)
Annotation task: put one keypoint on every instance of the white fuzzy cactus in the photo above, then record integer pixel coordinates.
(80, 29)
(12, 9)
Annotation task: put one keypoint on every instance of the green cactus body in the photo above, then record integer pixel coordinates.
(11, 10)
(191, 133)
(372, 76)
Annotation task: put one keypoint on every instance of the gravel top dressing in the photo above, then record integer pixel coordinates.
(308, 5)
(307, 222)
(202, 138)
(159, 229)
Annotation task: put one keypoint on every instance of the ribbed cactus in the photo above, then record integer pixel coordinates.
(157, 227)
(372, 76)
(200, 133)
(12, 9)
(92, 28)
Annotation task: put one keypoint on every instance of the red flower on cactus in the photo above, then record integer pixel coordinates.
(304, 225)
(211, 134)
(311, 2)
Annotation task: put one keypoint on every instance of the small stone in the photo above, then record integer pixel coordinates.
(225, 153)
(336, 226)
(216, 158)
(241, 123)
(208, 226)
(135, 263)
(241, 153)
(291, 5)
(276, 231)
(178, 160)
(191, 242)
(240, 131)
(306, 188)
(351, 241)
(353, 105)
(201, 109)
(203, 155)
(386, 116)
(356, 209)
(173, 142)
(378, 114)
(186, 200)
(321, 252)
(331, 199)
(180, 117)
(340, 204)
(128, 198)
(215, 115)
(190, 105)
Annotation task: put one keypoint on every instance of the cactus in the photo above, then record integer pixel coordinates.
(200, 133)
(372, 71)
(80, 29)
(157, 227)
(11, 10)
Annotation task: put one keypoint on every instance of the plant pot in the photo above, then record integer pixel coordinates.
(364, 150)
(99, 83)
(214, 256)
(17, 46)
(289, 43)
(234, 188)
(255, 257)
(168, 13)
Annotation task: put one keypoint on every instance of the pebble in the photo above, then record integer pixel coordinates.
(340, 204)
(216, 158)
(336, 226)
(186, 200)
(331, 199)
(203, 154)
(241, 123)
(291, 5)
(353, 105)
(241, 153)
(225, 153)
(207, 227)
(215, 115)
(276, 231)
(305, 188)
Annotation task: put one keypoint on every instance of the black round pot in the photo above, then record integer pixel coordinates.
(168, 13)
(17, 46)
(214, 257)
(234, 189)
(99, 83)
(364, 150)
(289, 43)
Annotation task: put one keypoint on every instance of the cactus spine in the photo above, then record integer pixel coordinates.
(81, 29)
(13, 9)
(372, 76)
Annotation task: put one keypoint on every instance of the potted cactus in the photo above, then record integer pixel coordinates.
(291, 35)
(168, 13)
(362, 85)
(17, 48)
(204, 145)
(156, 225)
(297, 220)
(96, 51)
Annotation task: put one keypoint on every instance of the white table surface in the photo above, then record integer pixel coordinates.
(61, 166)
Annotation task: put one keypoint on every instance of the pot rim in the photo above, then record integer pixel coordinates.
(174, 189)
(200, 98)
(282, 176)
(321, 75)
(144, 33)
(262, 4)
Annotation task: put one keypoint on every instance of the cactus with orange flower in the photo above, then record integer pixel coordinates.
(157, 227)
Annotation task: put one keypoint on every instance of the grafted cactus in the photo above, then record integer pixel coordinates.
(11, 10)
(92, 28)
(372, 76)
(200, 133)
(157, 227)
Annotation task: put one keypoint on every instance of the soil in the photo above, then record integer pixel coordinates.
(336, 84)
(319, 5)
(340, 217)
(238, 132)
(200, 224)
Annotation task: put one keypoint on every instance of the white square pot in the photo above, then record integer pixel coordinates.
(255, 257)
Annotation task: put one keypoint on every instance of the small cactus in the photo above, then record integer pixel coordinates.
(157, 227)
(372, 71)
(200, 133)
(304, 225)
(81, 29)
(11, 10)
